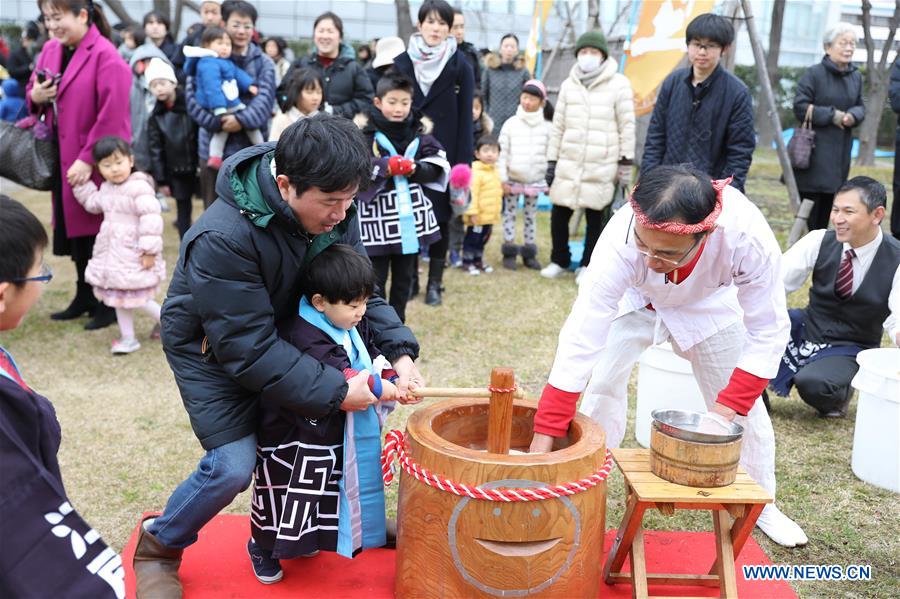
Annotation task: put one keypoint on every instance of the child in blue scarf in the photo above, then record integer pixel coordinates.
(317, 483)
(396, 217)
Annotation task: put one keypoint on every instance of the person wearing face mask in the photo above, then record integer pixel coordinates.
(703, 114)
(590, 149)
(348, 89)
(502, 81)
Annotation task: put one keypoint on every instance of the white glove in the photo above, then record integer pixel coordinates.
(712, 423)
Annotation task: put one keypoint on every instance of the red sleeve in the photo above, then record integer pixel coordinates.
(555, 411)
(389, 374)
(742, 391)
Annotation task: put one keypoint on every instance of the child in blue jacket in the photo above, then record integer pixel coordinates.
(218, 84)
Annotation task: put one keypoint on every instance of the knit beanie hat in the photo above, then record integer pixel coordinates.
(160, 69)
(592, 39)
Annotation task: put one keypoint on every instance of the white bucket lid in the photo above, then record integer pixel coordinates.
(879, 373)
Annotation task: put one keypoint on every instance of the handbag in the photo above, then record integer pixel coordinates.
(803, 141)
(28, 153)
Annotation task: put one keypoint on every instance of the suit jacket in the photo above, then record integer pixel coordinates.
(91, 102)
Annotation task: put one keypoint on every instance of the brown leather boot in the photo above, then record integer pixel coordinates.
(156, 568)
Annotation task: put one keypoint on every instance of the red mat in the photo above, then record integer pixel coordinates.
(217, 567)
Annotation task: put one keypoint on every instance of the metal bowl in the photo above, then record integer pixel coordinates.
(683, 424)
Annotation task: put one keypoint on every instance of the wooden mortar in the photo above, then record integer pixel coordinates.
(451, 546)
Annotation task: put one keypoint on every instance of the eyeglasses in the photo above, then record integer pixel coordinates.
(845, 44)
(45, 276)
(697, 46)
(645, 251)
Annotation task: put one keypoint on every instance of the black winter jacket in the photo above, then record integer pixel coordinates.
(449, 105)
(348, 88)
(828, 88)
(238, 274)
(710, 128)
(474, 58)
(173, 141)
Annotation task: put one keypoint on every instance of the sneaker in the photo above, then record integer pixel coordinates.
(125, 346)
(486, 268)
(552, 270)
(473, 270)
(266, 569)
(455, 259)
(780, 528)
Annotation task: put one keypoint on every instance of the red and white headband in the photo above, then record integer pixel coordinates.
(681, 228)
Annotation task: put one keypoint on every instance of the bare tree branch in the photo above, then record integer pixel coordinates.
(625, 8)
(116, 7)
(867, 35)
(404, 20)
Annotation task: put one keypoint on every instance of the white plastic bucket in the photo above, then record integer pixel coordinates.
(876, 437)
(665, 380)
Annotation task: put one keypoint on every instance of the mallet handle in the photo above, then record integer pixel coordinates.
(459, 392)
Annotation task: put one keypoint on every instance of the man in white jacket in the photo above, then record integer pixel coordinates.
(694, 262)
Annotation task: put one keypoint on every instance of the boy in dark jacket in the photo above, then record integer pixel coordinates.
(239, 272)
(396, 217)
(703, 114)
(330, 327)
(173, 141)
(48, 550)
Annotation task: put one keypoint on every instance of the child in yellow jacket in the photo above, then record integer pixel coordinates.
(487, 204)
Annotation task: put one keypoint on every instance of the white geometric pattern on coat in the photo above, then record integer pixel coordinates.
(309, 503)
(379, 220)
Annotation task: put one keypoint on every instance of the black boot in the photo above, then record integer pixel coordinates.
(529, 256)
(510, 252)
(103, 317)
(433, 293)
(83, 303)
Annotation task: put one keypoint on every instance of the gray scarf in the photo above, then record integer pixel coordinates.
(588, 78)
(428, 62)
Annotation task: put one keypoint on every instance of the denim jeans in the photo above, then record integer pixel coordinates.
(221, 474)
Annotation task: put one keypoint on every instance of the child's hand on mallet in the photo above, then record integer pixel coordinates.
(389, 391)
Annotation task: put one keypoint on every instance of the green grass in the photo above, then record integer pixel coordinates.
(127, 442)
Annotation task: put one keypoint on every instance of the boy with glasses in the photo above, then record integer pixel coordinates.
(692, 261)
(38, 520)
(703, 114)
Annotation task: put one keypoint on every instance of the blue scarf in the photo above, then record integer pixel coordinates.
(361, 521)
(409, 241)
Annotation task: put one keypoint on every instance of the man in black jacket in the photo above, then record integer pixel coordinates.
(703, 114)
(237, 275)
(895, 105)
(458, 30)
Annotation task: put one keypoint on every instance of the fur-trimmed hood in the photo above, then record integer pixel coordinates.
(492, 61)
(361, 120)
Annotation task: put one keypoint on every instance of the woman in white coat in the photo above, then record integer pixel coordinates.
(694, 262)
(591, 148)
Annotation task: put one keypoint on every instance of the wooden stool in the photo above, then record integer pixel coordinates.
(743, 500)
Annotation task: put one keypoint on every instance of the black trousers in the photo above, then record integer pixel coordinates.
(473, 244)
(183, 192)
(402, 267)
(437, 252)
(559, 233)
(820, 215)
(895, 205)
(825, 384)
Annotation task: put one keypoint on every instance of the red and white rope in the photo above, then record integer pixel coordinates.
(394, 447)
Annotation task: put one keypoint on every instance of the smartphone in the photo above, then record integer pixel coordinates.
(41, 76)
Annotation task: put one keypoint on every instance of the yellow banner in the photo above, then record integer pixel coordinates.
(536, 36)
(657, 45)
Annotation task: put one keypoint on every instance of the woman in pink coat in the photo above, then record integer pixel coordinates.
(81, 83)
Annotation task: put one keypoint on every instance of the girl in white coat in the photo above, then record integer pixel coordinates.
(591, 148)
(522, 167)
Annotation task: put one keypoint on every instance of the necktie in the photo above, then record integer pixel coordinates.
(843, 285)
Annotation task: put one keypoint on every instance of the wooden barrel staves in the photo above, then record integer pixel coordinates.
(452, 546)
(693, 464)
